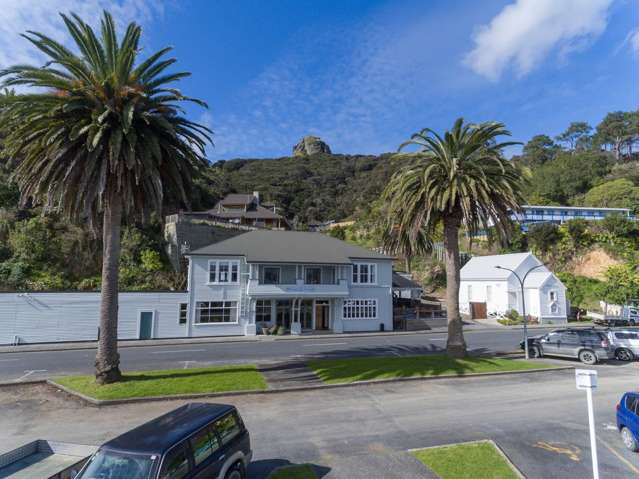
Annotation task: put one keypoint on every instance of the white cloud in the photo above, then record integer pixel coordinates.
(525, 32)
(633, 39)
(18, 16)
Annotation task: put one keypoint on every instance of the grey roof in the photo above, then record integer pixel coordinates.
(237, 199)
(483, 267)
(402, 282)
(264, 246)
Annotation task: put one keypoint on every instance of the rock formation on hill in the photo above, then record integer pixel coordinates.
(310, 145)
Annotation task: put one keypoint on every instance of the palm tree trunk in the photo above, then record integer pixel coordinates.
(407, 263)
(455, 345)
(107, 360)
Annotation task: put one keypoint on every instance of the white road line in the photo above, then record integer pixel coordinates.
(628, 464)
(179, 351)
(7, 360)
(322, 344)
(396, 353)
(29, 373)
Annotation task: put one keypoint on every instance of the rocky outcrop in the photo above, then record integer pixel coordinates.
(311, 145)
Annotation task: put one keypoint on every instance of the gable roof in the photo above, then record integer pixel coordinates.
(237, 199)
(484, 267)
(402, 282)
(536, 279)
(265, 246)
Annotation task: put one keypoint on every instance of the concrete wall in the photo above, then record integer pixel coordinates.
(74, 316)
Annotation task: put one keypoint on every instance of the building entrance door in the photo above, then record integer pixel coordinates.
(322, 315)
(145, 328)
(283, 313)
(306, 314)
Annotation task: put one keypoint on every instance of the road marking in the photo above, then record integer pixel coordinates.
(186, 364)
(179, 351)
(609, 427)
(29, 373)
(7, 360)
(396, 353)
(572, 452)
(630, 465)
(322, 344)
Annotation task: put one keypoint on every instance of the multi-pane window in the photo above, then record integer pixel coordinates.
(182, 315)
(360, 309)
(224, 271)
(216, 312)
(364, 273)
(271, 275)
(313, 275)
(263, 311)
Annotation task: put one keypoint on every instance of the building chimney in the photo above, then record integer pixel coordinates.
(256, 194)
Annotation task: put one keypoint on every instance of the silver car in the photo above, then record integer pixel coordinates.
(587, 345)
(625, 343)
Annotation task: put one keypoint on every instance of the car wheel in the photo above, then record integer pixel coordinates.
(534, 352)
(236, 472)
(623, 354)
(587, 356)
(629, 439)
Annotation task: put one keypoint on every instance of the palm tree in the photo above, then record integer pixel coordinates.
(460, 180)
(101, 138)
(400, 240)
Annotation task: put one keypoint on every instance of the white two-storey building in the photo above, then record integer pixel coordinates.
(299, 280)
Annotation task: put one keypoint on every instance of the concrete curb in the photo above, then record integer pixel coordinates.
(7, 384)
(177, 397)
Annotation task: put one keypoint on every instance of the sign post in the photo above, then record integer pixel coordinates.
(587, 379)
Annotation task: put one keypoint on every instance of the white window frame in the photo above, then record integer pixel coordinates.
(198, 308)
(186, 313)
(270, 307)
(312, 267)
(279, 274)
(552, 293)
(217, 262)
(358, 309)
(357, 275)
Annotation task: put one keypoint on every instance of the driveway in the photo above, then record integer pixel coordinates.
(539, 420)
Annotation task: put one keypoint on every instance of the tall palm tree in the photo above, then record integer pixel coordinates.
(460, 180)
(401, 240)
(101, 138)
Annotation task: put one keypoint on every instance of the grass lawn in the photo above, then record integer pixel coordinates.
(479, 460)
(171, 381)
(294, 472)
(334, 371)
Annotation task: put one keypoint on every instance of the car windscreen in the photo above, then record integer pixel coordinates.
(112, 465)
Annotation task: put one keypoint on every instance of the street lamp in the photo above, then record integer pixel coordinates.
(523, 300)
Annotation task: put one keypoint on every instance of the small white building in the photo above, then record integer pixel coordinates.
(486, 289)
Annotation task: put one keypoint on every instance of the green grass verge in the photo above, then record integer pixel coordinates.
(479, 460)
(334, 371)
(294, 472)
(170, 382)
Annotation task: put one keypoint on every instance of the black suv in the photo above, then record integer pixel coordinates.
(587, 345)
(195, 441)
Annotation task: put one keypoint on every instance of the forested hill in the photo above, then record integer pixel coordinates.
(318, 187)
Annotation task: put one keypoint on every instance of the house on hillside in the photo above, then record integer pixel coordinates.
(486, 289)
(246, 209)
(534, 214)
(300, 281)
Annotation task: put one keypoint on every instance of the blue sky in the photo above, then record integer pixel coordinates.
(364, 75)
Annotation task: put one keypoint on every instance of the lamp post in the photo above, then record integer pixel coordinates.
(523, 300)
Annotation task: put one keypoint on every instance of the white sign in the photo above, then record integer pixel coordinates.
(586, 378)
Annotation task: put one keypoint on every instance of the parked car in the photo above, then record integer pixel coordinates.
(628, 420)
(625, 343)
(615, 322)
(195, 441)
(587, 345)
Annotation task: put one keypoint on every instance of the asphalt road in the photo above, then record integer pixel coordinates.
(539, 420)
(38, 365)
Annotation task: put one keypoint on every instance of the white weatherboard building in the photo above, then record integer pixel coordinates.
(486, 289)
(299, 280)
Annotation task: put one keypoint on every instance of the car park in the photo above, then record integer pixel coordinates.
(625, 343)
(587, 345)
(628, 420)
(195, 441)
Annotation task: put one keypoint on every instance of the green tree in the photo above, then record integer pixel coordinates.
(539, 150)
(543, 237)
(618, 130)
(622, 284)
(407, 243)
(619, 193)
(577, 133)
(460, 179)
(577, 230)
(101, 138)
